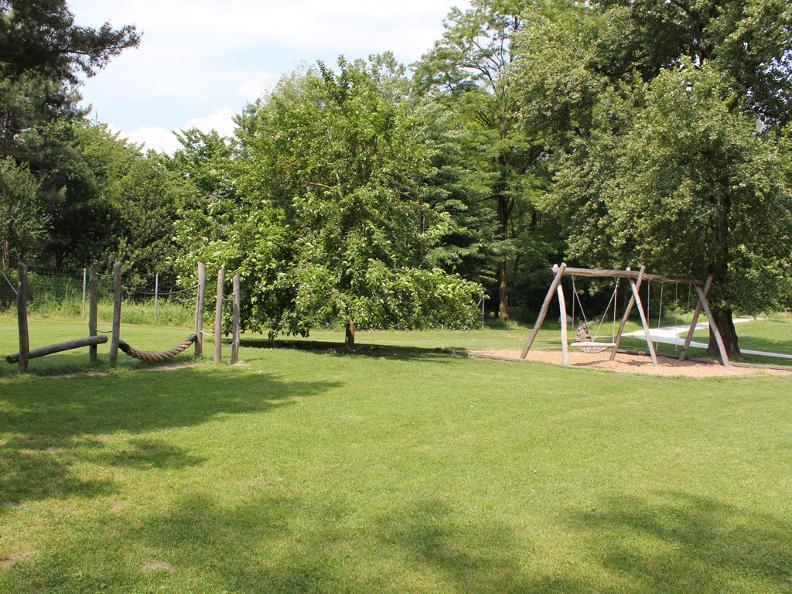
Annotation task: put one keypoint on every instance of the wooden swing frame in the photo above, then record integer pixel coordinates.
(635, 279)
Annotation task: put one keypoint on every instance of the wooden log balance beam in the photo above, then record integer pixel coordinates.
(59, 347)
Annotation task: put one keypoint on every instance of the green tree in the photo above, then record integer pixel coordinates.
(466, 72)
(664, 123)
(21, 224)
(327, 222)
(42, 56)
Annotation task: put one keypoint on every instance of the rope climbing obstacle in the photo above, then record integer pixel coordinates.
(160, 356)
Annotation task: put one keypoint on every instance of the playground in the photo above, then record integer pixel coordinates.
(400, 466)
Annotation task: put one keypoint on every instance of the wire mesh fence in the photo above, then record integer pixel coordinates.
(66, 294)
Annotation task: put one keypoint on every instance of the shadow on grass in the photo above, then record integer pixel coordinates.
(478, 556)
(289, 544)
(679, 542)
(49, 424)
(149, 453)
(361, 350)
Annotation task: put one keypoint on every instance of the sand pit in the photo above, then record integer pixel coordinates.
(631, 363)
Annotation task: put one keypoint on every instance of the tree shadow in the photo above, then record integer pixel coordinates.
(680, 542)
(376, 351)
(48, 424)
(145, 454)
(478, 556)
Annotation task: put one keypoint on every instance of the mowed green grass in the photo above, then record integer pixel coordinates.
(395, 469)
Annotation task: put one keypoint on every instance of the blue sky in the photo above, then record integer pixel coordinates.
(201, 61)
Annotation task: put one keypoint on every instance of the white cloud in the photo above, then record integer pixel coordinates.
(161, 139)
(158, 139)
(220, 120)
(198, 60)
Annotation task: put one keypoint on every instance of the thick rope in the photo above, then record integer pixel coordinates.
(162, 355)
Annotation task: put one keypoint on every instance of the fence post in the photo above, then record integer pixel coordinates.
(84, 287)
(235, 335)
(92, 311)
(218, 324)
(24, 338)
(199, 309)
(116, 313)
(156, 296)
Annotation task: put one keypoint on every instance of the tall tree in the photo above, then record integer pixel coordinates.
(467, 71)
(664, 120)
(329, 223)
(43, 54)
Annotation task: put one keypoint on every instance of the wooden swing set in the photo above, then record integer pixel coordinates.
(587, 343)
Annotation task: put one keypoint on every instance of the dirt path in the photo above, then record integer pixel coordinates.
(628, 363)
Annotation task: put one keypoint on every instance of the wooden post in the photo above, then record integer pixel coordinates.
(199, 309)
(559, 271)
(93, 295)
(694, 321)
(85, 286)
(713, 328)
(564, 338)
(218, 324)
(647, 333)
(116, 313)
(156, 296)
(24, 337)
(235, 334)
(626, 316)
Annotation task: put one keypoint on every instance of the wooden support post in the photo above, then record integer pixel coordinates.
(564, 338)
(199, 309)
(713, 328)
(116, 313)
(694, 321)
(156, 297)
(218, 323)
(93, 304)
(626, 316)
(85, 287)
(24, 337)
(559, 271)
(647, 333)
(235, 334)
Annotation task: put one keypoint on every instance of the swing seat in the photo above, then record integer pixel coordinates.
(590, 346)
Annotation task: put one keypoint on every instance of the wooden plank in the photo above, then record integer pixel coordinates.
(93, 297)
(696, 313)
(645, 324)
(631, 274)
(59, 347)
(22, 321)
(626, 316)
(564, 337)
(235, 333)
(713, 328)
(559, 271)
(218, 322)
(116, 313)
(199, 309)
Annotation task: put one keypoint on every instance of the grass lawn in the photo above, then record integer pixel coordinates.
(401, 469)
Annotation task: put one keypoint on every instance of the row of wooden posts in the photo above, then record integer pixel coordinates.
(94, 339)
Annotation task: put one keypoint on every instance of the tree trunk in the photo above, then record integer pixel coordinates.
(503, 292)
(349, 335)
(725, 324)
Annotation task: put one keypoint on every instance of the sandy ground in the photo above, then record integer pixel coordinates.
(628, 363)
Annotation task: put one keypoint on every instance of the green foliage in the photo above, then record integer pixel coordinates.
(22, 226)
(664, 121)
(327, 220)
(467, 74)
